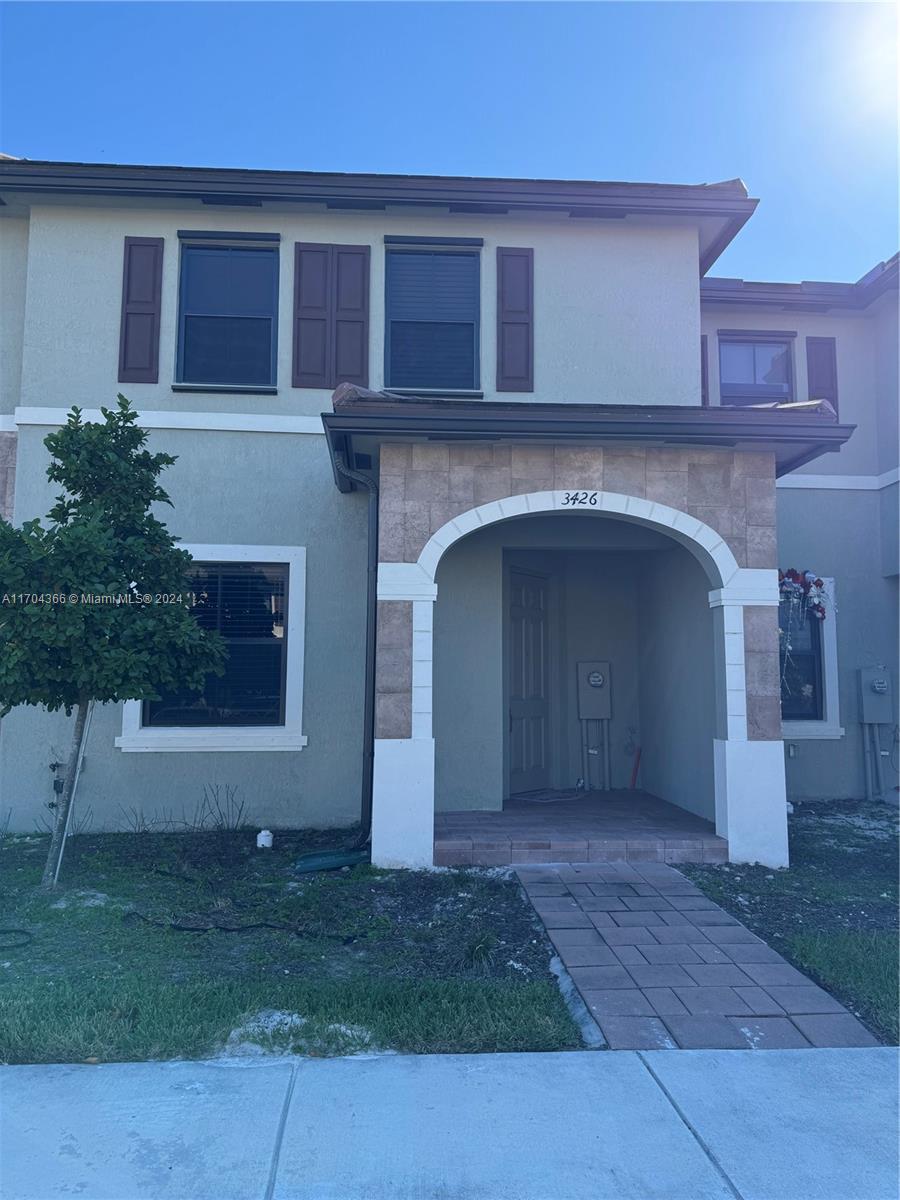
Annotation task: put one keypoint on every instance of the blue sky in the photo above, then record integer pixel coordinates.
(798, 99)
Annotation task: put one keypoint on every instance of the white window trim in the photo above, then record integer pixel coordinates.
(830, 726)
(138, 739)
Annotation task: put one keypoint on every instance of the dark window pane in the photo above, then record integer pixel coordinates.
(246, 603)
(205, 279)
(252, 283)
(430, 354)
(754, 372)
(433, 287)
(771, 365)
(251, 604)
(800, 640)
(736, 360)
(227, 316)
(227, 350)
(228, 282)
(433, 319)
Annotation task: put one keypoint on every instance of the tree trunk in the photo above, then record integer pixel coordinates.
(57, 840)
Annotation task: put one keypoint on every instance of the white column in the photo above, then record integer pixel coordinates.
(751, 798)
(403, 784)
(403, 803)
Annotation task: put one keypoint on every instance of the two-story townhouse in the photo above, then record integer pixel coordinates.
(508, 533)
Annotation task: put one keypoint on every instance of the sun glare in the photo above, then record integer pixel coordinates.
(871, 58)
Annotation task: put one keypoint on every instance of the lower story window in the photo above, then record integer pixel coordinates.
(246, 603)
(800, 643)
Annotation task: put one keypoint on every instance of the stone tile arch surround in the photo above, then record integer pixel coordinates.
(718, 504)
(708, 546)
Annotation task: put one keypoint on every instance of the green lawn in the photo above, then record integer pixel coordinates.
(164, 945)
(834, 912)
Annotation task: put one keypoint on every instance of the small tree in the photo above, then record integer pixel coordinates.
(79, 620)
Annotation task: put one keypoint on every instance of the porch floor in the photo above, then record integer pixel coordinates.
(593, 827)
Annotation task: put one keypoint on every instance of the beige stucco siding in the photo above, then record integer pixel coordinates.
(616, 304)
(13, 265)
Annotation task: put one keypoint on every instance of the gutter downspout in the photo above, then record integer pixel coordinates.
(359, 851)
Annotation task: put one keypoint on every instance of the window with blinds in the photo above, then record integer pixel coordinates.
(227, 315)
(432, 320)
(246, 603)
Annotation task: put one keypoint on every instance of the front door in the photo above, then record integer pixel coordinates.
(529, 767)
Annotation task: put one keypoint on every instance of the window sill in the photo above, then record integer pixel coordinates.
(804, 731)
(218, 740)
(752, 401)
(439, 393)
(225, 388)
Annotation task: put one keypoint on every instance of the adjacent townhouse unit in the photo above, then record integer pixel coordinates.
(499, 480)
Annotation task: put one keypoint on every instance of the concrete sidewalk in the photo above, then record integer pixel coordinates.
(696, 1125)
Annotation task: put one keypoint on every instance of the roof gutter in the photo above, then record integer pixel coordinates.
(361, 849)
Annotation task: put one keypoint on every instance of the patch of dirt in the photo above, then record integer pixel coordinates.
(843, 874)
(274, 1031)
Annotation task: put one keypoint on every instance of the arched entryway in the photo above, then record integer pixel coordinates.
(747, 773)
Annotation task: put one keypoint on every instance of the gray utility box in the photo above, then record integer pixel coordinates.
(876, 705)
(594, 691)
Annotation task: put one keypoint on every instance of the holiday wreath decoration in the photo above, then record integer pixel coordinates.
(803, 592)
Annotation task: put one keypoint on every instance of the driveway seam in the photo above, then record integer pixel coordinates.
(279, 1136)
(694, 1132)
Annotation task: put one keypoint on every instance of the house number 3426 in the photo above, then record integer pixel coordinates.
(573, 498)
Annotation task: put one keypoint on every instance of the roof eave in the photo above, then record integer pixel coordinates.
(727, 201)
(794, 438)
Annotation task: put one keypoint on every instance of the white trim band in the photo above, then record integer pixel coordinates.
(748, 585)
(841, 483)
(224, 422)
(405, 581)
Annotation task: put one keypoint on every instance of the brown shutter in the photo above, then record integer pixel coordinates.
(141, 299)
(704, 372)
(515, 320)
(821, 369)
(350, 272)
(312, 332)
(331, 315)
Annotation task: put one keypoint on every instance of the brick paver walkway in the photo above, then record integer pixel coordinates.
(660, 966)
(594, 827)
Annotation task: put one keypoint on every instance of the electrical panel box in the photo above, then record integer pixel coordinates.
(876, 705)
(594, 691)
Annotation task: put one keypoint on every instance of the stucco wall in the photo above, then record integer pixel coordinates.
(7, 474)
(228, 488)
(616, 304)
(835, 533)
(677, 682)
(13, 265)
(887, 385)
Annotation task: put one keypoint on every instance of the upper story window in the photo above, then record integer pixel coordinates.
(754, 369)
(227, 316)
(247, 604)
(432, 319)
